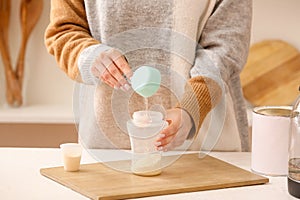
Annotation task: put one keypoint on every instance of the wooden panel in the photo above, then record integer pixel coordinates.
(187, 174)
(36, 135)
(272, 73)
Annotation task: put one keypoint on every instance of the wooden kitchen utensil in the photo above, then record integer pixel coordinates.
(188, 174)
(30, 13)
(13, 91)
(272, 73)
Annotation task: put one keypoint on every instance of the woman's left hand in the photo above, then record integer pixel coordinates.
(174, 135)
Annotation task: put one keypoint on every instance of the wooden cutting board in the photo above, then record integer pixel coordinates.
(187, 174)
(272, 73)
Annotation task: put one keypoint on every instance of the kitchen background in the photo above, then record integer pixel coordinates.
(49, 90)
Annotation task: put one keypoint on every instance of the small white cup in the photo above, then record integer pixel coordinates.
(270, 136)
(71, 153)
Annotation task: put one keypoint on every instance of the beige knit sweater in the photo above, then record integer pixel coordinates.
(78, 27)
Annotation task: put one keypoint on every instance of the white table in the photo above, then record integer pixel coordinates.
(20, 178)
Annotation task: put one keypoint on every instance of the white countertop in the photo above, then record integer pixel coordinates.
(20, 178)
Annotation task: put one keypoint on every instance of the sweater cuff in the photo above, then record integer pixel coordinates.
(86, 60)
(201, 96)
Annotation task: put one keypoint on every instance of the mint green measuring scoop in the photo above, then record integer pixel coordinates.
(146, 81)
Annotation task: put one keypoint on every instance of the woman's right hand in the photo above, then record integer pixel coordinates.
(111, 67)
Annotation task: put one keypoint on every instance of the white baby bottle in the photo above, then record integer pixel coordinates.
(143, 130)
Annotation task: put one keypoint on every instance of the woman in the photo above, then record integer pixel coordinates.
(200, 47)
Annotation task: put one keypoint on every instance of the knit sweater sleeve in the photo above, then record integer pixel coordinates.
(221, 54)
(68, 36)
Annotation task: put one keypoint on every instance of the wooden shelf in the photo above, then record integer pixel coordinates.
(49, 114)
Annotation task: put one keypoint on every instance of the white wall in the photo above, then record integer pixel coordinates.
(276, 19)
(46, 83)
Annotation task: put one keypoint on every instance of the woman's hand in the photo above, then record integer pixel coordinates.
(180, 124)
(110, 67)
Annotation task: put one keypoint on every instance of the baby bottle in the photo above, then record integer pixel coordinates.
(294, 151)
(143, 130)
